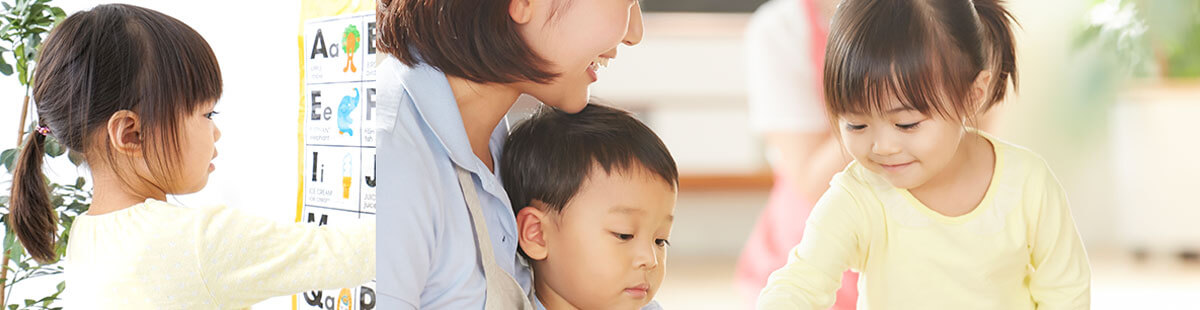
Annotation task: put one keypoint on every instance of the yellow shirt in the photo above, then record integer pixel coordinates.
(155, 255)
(1018, 249)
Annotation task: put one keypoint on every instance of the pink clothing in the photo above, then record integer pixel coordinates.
(781, 225)
(778, 230)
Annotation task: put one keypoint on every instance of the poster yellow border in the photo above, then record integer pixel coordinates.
(310, 9)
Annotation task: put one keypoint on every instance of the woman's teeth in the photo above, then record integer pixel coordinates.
(599, 62)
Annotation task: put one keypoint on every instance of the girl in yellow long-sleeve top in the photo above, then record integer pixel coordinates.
(133, 90)
(933, 213)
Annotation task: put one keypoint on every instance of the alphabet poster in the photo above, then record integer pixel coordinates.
(337, 129)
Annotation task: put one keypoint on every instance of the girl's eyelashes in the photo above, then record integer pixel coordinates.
(908, 126)
(662, 242)
(853, 127)
(210, 114)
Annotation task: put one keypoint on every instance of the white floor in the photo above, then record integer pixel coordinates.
(1118, 282)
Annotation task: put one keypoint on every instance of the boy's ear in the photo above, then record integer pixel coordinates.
(124, 131)
(532, 226)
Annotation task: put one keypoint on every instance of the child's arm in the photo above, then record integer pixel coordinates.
(245, 259)
(831, 244)
(1061, 276)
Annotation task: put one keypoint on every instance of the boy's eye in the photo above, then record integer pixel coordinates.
(908, 126)
(853, 127)
(623, 237)
(662, 242)
(210, 115)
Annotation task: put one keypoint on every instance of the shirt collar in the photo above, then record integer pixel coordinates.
(434, 100)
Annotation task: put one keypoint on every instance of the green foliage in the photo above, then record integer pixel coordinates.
(70, 200)
(1146, 38)
(24, 24)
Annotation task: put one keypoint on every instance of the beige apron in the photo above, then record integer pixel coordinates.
(503, 292)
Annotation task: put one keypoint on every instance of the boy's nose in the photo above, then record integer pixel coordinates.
(646, 258)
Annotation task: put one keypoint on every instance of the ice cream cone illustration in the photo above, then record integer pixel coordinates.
(347, 173)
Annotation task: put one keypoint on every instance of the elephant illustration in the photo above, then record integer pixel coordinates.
(343, 120)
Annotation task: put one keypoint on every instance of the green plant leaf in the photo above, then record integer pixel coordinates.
(79, 182)
(8, 157)
(5, 68)
(9, 239)
(35, 41)
(75, 157)
(21, 73)
(53, 148)
(16, 253)
(23, 264)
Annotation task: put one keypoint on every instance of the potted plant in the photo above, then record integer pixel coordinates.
(1149, 60)
(23, 26)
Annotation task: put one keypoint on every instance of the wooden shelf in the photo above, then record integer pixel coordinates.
(726, 182)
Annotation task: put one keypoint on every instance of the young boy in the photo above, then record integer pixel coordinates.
(594, 196)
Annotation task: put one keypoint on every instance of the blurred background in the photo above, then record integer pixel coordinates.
(1109, 95)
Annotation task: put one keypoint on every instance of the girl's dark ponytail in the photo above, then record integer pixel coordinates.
(1001, 49)
(30, 214)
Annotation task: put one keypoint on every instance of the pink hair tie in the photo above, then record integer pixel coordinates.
(43, 130)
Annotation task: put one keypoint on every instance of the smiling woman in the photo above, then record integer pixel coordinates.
(454, 69)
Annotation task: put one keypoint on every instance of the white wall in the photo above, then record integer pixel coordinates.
(256, 44)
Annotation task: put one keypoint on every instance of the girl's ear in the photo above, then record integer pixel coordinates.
(124, 131)
(521, 11)
(532, 227)
(980, 91)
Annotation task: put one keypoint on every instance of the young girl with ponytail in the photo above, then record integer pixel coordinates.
(133, 90)
(934, 213)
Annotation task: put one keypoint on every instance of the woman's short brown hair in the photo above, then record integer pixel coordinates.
(472, 39)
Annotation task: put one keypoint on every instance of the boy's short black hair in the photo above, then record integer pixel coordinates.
(549, 156)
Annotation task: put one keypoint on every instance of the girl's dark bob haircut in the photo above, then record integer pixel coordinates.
(925, 54)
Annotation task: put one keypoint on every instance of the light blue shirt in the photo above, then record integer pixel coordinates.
(427, 257)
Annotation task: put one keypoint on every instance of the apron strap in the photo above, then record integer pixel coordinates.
(503, 291)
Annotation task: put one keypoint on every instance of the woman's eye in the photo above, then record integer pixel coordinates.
(908, 126)
(623, 237)
(662, 242)
(853, 127)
